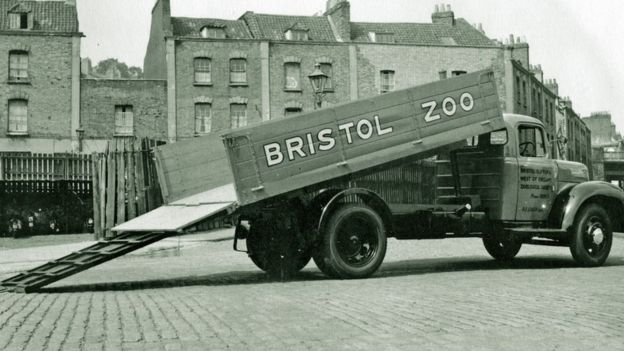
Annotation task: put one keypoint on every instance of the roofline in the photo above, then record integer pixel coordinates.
(42, 33)
(124, 79)
(313, 42)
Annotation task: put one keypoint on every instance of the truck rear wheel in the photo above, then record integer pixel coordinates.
(269, 249)
(592, 236)
(501, 248)
(354, 243)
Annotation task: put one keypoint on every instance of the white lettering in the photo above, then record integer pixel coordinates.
(294, 145)
(347, 129)
(310, 144)
(431, 105)
(449, 101)
(362, 125)
(466, 101)
(379, 130)
(273, 154)
(326, 140)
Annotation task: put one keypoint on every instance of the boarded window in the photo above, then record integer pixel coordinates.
(238, 115)
(297, 34)
(18, 66)
(292, 76)
(18, 20)
(203, 118)
(214, 33)
(238, 70)
(203, 67)
(124, 120)
(328, 70)
(18, 116)
(387, 81)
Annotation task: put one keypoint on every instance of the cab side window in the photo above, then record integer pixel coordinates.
(531, 142)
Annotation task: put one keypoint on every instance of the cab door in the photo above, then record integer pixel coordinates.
(536, 174)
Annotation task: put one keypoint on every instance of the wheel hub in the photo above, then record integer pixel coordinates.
(596, 234)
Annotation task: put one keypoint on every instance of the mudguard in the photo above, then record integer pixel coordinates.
(370, 198)
(588, 191)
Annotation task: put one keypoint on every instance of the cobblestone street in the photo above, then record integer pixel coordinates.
(427, 295)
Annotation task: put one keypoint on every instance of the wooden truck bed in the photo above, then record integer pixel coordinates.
(273, 158)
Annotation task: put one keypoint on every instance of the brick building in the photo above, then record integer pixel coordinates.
(228, 73)
(39, 75)
(603, 131)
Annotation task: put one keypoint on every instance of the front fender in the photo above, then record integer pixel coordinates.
(588, 192)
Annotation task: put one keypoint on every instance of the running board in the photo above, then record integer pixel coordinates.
(527, 232)
(79, 261)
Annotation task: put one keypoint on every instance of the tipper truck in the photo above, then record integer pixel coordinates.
(287, 186)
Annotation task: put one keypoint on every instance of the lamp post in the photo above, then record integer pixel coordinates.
(318, 79)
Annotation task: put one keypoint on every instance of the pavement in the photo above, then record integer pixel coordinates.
(197, 294)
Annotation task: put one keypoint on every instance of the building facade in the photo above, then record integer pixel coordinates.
(227, 73)
(40, 82)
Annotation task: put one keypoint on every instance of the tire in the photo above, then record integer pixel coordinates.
(353, 243)
(592, 236)
(260, 244)
(501, 248)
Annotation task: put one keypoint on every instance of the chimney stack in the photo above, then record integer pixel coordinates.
(443, 14)
(339, 13)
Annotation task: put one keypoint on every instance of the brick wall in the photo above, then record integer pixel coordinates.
(147, 97)
(220, 91)
(50, 84)
(308, 54)
(416, 65)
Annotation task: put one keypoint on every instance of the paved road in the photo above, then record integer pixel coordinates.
(428, 295)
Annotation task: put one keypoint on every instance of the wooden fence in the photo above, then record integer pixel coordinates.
(124, 183)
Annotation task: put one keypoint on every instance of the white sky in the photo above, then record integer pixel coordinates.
(578, 42)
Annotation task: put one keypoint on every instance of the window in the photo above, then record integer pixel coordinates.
(378, 37)
(18, 20)
(518, 93)
(203, 118)
(18, 116)
(457, 73)
(387, 81)
(124, 120)
(202, 70)
(384, 37)
(238, 70)
(238, 115)
(524, 94)
(531, 142)
(291, 111)
(18, 66)
(297, 34)
(442, 74)
(327, 69)
(212, 32)
(292, 76)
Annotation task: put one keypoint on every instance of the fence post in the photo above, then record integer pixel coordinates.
(97, 226)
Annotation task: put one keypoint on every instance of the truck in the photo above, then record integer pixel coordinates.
(288, 186)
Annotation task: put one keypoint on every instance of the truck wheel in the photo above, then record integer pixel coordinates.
(592, 236)
(354, 243)
(259, 244)
(502, 248)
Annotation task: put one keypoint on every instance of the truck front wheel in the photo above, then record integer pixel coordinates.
(592, 236)
(354, 243)
(502, 248)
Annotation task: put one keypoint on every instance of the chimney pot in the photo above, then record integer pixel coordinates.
(437, 8)
(448, 7)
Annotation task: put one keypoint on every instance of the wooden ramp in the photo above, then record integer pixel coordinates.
(79, 261)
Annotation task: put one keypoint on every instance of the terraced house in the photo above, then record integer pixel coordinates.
(40, 75)
(228, 73)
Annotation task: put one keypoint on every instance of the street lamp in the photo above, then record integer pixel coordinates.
(318, 80)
